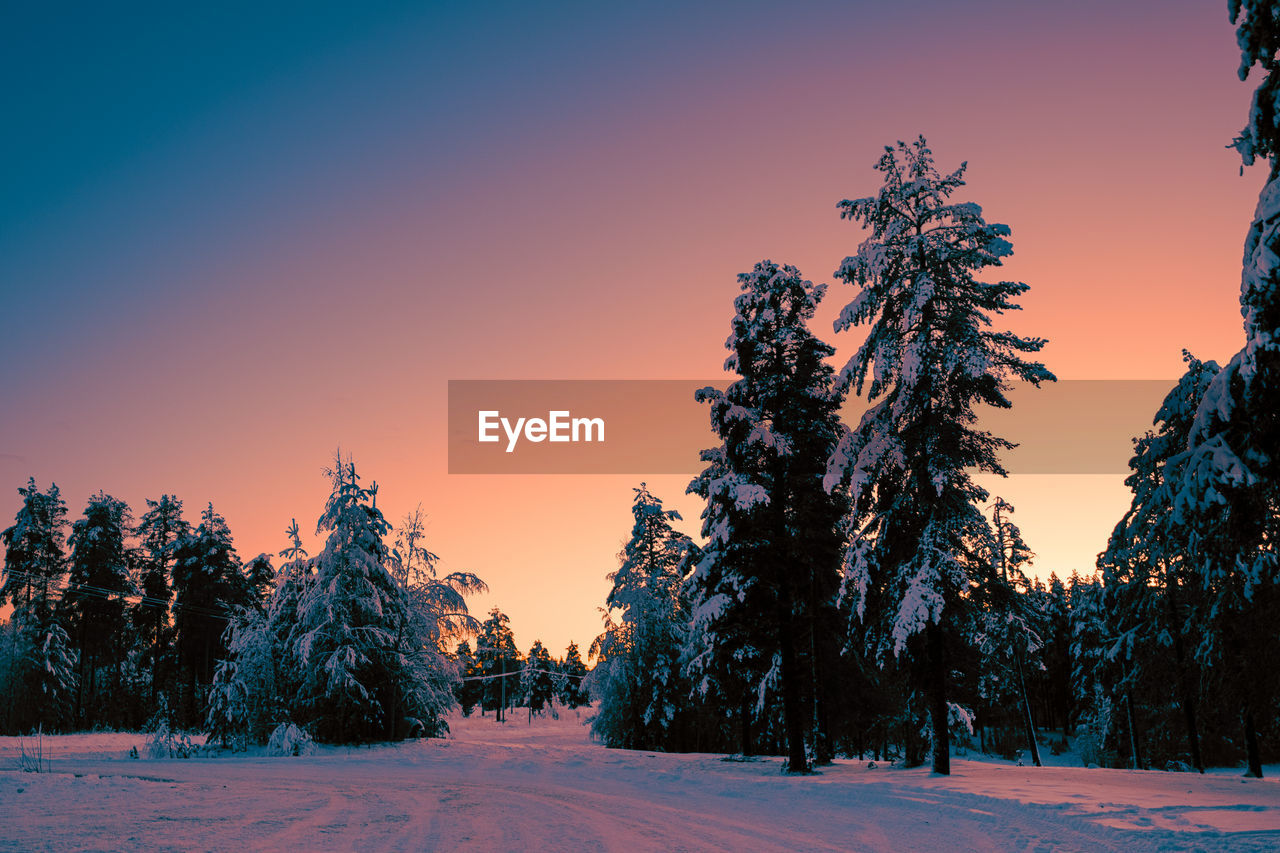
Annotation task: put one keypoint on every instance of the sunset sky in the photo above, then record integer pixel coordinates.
(232, 240)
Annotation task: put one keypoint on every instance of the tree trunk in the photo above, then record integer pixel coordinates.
(155, 654)
(1251, 744)
(821, 670)
(745, 727)
(190, 710)
(116, 687)
(1133, 731)
(824, 751)
(80, 682)
(797, 762)
(1028, 723)
(937, 674)
(11, 721)
(393, 712)
(90, 715)
(1186, 695)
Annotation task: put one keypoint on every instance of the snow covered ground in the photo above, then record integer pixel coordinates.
(546, 786)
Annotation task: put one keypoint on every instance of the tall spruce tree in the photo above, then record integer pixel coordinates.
(1230, 490)
(243, 695)
(42, 663)
(638, 681)
(292, 580)
(728, 661)
(256, 685)
(498, 660)
(260, 579)
(538, 679)
(342, 646)
(1152, 573)
(932, 360)
(93, 606)
(1060, 698)
(1007, 620)
(35, 560)
(367, 660)
(766, 584)
(159, 532)
(468, 689)
(1096, 672)
(574, 670)
(240, 697)
(208, 584)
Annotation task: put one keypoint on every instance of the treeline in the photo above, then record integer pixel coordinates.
(847, 575)
(1039, 667)
(128, 624)
(496, 677)
(860, 593)
(114, 620)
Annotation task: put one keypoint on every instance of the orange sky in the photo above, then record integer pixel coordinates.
(306, 259)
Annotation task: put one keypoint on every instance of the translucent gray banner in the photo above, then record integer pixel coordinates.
(641, 426)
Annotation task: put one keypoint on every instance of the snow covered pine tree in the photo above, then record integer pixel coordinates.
(498, 661)
(767, 582)
(573, 670)
(42, 666)
(637, 682)
(1006, 620)
(539, 679)
(255, 686)
(932, 360)
(438, 602)
(208, 585)
(1150, 568)
(93, 608)
(159, 532)
(367, 658)
(1231, 482)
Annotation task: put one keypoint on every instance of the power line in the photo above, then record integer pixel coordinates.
(60, 590)
(520, 672)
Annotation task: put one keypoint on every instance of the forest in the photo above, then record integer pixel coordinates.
(853, 591)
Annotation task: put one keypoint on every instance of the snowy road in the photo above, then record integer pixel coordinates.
(544, 787)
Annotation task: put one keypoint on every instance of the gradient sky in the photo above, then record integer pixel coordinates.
(232, 239)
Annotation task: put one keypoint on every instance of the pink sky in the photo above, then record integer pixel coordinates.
(308, 259)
